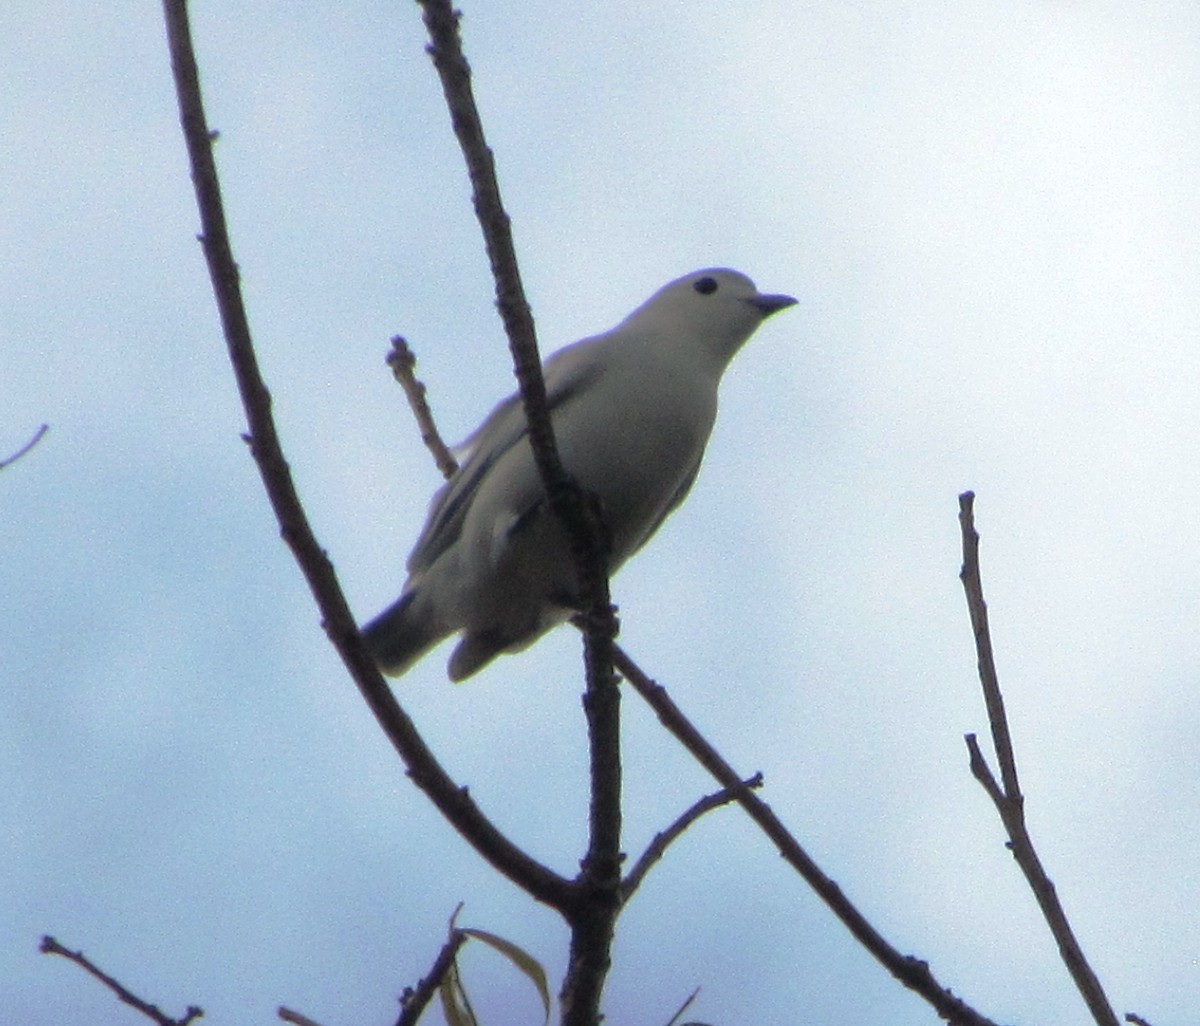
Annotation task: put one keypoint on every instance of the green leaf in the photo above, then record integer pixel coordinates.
(524, 961)
(455, 1006)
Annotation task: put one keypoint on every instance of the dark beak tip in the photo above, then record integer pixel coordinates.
(769, 304)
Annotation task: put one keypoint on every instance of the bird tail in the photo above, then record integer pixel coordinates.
(400, 635)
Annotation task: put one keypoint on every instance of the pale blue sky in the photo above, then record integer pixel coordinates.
(989, 213)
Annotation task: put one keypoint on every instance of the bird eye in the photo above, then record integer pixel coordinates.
(705, 286)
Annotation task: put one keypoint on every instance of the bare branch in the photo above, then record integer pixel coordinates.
(50, 946)
(1009, 802)
(403, 362)
(37, 437)
(453, 802)
(658, 846)
(913, 972)
(1136, 1019)
(413, 1002)
(595, 912)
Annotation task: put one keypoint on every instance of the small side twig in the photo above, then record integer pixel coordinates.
(37, 437)
(295, 1018)
(415, 999)
(1006, 795)
(661, 841)
(684, 1007)
(403, 362)
(981, 771)
(1136, 1019)
(50, 946)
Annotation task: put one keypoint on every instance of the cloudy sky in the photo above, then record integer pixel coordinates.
(989, 212)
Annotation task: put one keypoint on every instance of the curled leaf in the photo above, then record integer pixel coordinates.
(520, 958)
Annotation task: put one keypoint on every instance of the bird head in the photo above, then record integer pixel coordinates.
(712, 311)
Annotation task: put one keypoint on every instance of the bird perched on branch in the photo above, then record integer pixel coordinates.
(632, 411)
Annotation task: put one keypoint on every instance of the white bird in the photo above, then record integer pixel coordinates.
(632, 411)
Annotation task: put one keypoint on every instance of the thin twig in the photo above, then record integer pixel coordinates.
(594, 915)
(684, 1007)
(294, 1017)
(969, 575)
(50, 946)
(981, 771)
(913, 972)
(1009, 801)
(453, 802)
(412, 1004)
(661, 841)
(403, 362)
(1136, 1019)
(37, 437)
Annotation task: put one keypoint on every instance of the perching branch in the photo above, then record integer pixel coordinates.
(50, 946)
(578, 516)
(661, 841)
(452, 801)
(910, 971)
(593, 917)
(1009, 801)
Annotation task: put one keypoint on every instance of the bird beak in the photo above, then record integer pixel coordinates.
(769, 304)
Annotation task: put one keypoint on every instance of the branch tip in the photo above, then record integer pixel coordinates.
(403, 362)
(38, 435)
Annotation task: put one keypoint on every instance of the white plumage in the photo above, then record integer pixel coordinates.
(632, 411)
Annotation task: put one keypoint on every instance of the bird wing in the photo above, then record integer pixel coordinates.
(685, 486)
(567, 374)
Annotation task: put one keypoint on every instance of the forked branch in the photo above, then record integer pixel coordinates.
(1006, 795)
